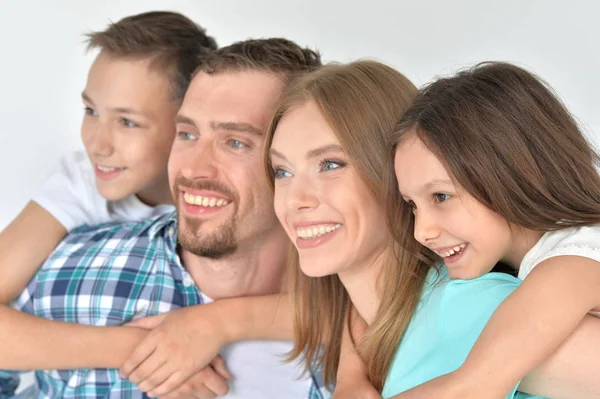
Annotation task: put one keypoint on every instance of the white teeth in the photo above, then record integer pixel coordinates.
(452, 251)
(316, 231)
(199, 200)
(106, 169)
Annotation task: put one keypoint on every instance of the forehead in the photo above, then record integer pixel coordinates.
(301, 128)
(415, 164)
(127, 82)
(246, 96)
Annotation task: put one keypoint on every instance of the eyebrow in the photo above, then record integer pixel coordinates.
(237, 127)
(121, 110)
(312, 153)
(435, 183)
(324, 149)
(184, 119)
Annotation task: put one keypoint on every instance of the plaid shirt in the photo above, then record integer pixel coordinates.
(105, 276)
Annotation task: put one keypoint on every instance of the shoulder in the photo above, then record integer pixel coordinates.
(107, 233)
(578, 241)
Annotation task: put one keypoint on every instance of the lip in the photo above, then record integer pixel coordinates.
(303, 243)
(107, 176)
(454, 259)
(199, 210)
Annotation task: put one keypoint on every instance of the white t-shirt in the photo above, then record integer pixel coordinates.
(71, 196)
(576, 241)
(257, 375)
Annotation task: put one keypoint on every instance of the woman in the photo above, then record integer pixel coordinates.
(327, 158)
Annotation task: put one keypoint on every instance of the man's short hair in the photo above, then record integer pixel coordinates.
(173, 42)
(277, 55)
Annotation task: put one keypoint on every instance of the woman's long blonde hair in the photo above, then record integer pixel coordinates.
(362, 102)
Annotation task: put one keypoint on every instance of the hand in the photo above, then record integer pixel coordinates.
(355, 390)
(208, 383)
(179, 345)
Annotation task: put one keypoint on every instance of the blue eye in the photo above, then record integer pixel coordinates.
(186, 136)
(129, 123)
(279, 173)
(237, 144)
(90, 111)
(439, 197)
(327, 165)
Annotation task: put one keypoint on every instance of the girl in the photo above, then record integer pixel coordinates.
(327, 147)
(494, 169)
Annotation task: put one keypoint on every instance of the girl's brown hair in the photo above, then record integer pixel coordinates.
(361, 101)
(508, 140)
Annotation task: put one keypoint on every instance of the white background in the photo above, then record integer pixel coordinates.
(43, 65)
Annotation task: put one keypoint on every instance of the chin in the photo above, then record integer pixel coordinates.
(112, 194)
(315, 271)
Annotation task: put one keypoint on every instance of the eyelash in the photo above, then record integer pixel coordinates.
(437, 195)
(89, 111)
(340, 164)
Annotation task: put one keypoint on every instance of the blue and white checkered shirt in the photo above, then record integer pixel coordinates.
(105, 276)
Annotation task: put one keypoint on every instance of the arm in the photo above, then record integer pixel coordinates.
(187, 339)
(24, 245)
(352, 381)
(532, 322)
(29, 342)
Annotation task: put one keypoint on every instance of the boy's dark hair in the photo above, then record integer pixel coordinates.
(173, 42)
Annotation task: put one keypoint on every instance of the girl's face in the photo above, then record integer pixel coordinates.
(469, 237)
(327, 211)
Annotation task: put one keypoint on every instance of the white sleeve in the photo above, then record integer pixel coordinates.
(70, 193)
(578, 241)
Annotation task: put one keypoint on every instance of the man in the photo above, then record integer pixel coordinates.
(230, 243)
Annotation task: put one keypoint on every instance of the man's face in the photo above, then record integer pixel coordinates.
(127, 129)
(216, 171)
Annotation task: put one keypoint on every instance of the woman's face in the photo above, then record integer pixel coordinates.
(330, 215)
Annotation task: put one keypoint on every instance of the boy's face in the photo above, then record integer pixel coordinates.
(128, 128)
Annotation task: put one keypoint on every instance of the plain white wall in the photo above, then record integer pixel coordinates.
(43, 65)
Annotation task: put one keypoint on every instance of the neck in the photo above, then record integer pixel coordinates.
(252, 270)
(361, 282)
(158, 193)
(523, 241)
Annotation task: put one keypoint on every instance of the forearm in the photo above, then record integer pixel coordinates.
(572, 370)
(256, 318)
(31, 343)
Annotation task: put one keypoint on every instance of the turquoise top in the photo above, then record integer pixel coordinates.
(446, 324)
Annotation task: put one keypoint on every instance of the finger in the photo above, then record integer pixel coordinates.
(206, 377)
(215, 382)
(199, 392)
(145, 349)
(149, 322)
(157, 377)
(218, 364)
(150, 366)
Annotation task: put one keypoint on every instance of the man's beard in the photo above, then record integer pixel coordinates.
(218, 244)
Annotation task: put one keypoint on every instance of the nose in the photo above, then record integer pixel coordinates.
(100, 141)
(426, 228)
(200, 162)
(301, 194)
